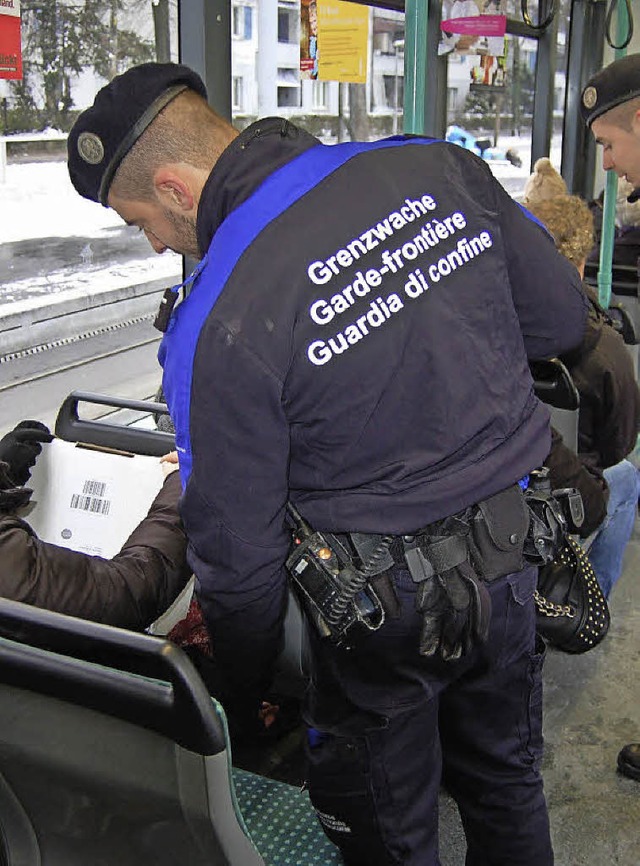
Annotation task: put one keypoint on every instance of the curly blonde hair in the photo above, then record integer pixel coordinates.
(570, 222)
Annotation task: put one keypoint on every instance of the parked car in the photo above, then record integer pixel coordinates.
(482, 146)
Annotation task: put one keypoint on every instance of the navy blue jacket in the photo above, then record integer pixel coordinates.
(356, 340)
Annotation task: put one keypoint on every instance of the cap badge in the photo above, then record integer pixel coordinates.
(90, 148)
(589, 97)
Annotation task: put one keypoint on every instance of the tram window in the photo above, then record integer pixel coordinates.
(332, 110)
(71, 272)
(491, 101)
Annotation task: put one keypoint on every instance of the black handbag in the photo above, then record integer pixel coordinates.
(572, 613)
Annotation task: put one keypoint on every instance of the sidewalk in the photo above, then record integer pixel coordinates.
(57, 318)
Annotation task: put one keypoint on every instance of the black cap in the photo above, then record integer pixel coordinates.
(617, 83)
(103, 135)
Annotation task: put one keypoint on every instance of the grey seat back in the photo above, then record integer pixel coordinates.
(111, 750)
(554, 386)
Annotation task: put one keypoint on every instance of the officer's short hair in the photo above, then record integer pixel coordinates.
(103, 135)
(611, 88)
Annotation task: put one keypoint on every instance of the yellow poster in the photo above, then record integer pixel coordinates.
(343, 35)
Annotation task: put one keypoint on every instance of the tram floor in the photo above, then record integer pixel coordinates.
(592, 709)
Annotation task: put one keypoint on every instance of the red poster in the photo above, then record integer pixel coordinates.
(10, 47)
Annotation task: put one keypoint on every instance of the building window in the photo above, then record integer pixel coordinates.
(242, 22)
(393, 92)
(319, 94)
(289, 97)
(452, 99)
(288, 84)
(238, 102)
(288, 25)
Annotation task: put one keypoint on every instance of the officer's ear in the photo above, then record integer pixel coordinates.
(173, 191)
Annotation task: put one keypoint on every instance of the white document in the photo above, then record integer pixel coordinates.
(90, 500)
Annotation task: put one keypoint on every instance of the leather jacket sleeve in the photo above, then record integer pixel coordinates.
(130, 590)
(568, 470)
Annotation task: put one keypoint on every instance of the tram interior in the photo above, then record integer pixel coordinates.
(78, 292)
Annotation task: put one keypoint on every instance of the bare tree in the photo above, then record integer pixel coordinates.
(60, 39)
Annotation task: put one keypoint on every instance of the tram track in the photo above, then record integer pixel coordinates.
(63, 368)
(117, 361)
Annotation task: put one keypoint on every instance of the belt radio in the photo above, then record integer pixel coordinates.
(337, 595)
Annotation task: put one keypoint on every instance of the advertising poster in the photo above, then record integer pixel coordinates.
(333, 40)
(308, 39)
(10, 48)
(473, 27)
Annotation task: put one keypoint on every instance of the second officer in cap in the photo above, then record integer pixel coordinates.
(611, 108)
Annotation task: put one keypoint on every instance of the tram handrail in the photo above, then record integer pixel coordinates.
(133, 677)
(69, 425)
(553, 384)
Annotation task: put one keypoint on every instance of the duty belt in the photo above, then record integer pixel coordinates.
(343, 578)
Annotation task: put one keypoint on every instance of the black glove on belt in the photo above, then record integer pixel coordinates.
(20, 447)
(456, 611)
(454, 603)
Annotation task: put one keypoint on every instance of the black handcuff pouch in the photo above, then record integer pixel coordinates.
(499, 526)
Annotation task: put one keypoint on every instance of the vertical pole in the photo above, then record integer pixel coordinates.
(161, 30)
(395, 93)
(585, 42)
(611, 188)
(415, 65)
(204, 34)
(543, 95)
(205, 45)
(267, 60)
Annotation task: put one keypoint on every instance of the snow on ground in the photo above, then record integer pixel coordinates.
(38, 201)
(65, 283)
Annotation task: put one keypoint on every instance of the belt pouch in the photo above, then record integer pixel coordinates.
(498, 530)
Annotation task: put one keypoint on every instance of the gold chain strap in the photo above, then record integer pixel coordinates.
(548, 608)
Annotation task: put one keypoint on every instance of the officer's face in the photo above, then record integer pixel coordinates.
(165, 229)
(620, 148)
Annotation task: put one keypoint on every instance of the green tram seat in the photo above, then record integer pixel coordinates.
(112, 753)
(554, 386)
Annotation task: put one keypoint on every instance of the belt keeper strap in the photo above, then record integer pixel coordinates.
(426, 558)
(446, 553)
(419, 566)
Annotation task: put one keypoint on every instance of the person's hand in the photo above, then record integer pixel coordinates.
(169, 463)
(20, 448)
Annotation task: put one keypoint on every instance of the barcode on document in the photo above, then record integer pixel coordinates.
(92, 504)
(94, 488)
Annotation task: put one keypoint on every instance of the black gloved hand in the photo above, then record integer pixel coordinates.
(456, 610)
(12, 498)
(20, 447)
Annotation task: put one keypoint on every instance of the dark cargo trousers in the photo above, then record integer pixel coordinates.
(388, 727)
